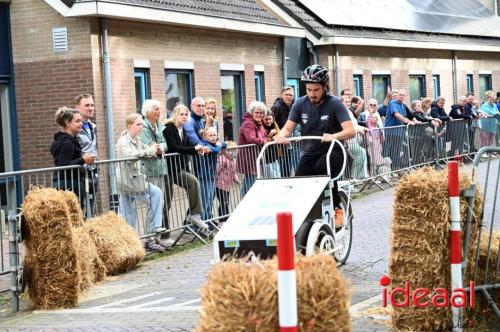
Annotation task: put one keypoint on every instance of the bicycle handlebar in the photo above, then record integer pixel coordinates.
(300, 138)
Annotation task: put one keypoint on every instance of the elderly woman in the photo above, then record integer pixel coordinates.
(488, 114)
(131, 180)
(67, 151)
(156, 169)
(251, 132)
(371, 111)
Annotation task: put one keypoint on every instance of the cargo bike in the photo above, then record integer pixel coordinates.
(251, 228)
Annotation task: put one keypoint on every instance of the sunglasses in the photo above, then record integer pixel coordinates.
(373, 104)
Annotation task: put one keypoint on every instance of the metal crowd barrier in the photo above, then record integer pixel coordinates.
(487, 258)
(374, 156)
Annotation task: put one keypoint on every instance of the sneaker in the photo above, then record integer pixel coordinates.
(160, 229)
(339, 218)
(195, 219)
(152, 246)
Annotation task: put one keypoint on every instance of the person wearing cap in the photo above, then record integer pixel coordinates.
(319, 114)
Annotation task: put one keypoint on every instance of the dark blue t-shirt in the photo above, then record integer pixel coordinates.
(325, 118)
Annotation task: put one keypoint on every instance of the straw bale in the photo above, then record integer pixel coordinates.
(242, 296)
(118, 245)
(51, 258)
(420, 252)
(91, 266)
(75, 211)
(491, 260)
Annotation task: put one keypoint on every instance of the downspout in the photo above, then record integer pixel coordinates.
(337, 71)
(454, 77)
(109, 99)
(283, 65)
(495, 3)
(310, 48)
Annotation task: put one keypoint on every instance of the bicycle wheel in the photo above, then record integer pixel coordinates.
(320, 239)
(343, 237)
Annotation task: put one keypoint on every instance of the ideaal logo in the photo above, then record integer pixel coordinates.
(423, 297)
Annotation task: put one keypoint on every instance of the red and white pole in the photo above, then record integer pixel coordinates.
(287, 279)
(455, 242)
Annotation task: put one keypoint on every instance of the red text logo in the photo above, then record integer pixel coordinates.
(423, 297)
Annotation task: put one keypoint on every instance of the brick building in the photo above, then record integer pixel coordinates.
(236, 51)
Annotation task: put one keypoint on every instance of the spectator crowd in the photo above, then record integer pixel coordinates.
(203, 161)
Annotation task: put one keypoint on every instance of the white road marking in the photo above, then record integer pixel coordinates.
(139, 308)
(129, 300)
(152, 302)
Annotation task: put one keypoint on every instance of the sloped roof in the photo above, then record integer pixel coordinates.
(247, 10)
(319, 28)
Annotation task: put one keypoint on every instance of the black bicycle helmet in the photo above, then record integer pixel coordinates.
(315, 74)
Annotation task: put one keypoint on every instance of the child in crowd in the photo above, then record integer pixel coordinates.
(208, 170)
(271, 166)
(226, 176)
(374, 142)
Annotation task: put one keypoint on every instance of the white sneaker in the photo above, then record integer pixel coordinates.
(196, 220)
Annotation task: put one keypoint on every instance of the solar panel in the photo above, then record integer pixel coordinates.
(461, 17)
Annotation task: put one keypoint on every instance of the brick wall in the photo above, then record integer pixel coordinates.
(401, 62)
(45, 80)
(206, 49)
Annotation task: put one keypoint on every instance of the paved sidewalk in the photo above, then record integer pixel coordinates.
(163, 295)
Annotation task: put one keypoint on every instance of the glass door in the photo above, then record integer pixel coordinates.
(231, 85)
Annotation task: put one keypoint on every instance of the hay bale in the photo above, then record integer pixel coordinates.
(51, 258)
(240, 296)
(92, 268)
(118, 245)
(75, 210)
(490, 260)
(420, 252)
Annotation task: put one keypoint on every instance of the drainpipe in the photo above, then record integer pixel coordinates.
(310, 48)
(495, 3)
(109, 99)
(283, 64)
(454, 77)
(337, 71)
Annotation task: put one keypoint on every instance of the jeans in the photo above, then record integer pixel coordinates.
(247, 183)
(153, 197)
(207, 187)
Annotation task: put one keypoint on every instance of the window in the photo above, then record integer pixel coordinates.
(470, 83)
(231, 85)
(259, 87)
(380, 85)
(484, 84)
(178, 88)
(141, 87)
(358, 85)
(436, 91)
(417, 87)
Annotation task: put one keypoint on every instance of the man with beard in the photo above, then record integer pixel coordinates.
(319, 114)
